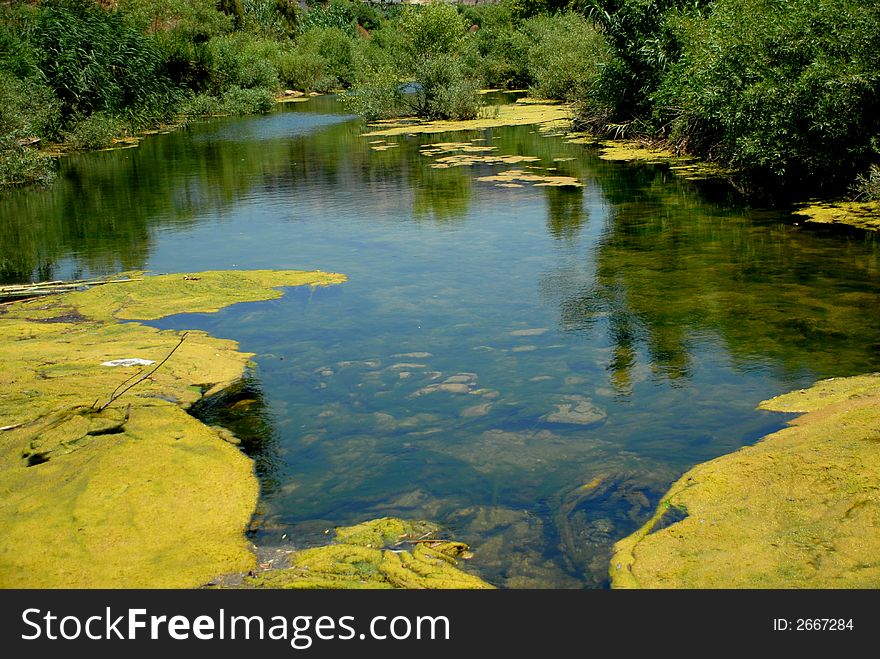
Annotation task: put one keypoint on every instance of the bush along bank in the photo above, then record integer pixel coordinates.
(76, 75)
(785, 92)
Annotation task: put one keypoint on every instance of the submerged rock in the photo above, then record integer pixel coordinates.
(536, 331)
(476, 410)
(578, 410)
(448, 387)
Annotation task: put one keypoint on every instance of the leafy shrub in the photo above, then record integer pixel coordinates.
(94, 132)
(234, 101)
(337, 48)
(97, 62)
(443, 90)
(867, 185)
(378, 95)
(498, 52)
(23, 165)
(28, 108)
(783, 90)
(27, 111)
(247, 101)
(241, 60)
(644, 48)
(567, 57)
(428, 54)
(430, 31)
(17, 56)
(304, 69)
(338, 13)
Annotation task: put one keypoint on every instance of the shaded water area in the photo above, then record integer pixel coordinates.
(529, 366)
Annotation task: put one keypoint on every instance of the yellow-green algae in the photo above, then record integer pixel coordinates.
(862, 214)
(687, 167)
(512, 176)
(524, 112)
(383, 553)
(800, 509)
(139, 494)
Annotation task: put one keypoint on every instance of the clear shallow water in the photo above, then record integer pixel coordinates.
(433, 384)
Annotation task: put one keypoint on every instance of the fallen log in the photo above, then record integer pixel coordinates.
(21, 291)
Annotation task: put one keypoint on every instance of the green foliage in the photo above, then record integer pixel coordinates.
(781, 89)
(241, 60)
(27, 110)
(17, 56)
(233, 101)
(340, 14)
(271, 18)
(324, 59)
(430, 31)
(338, 49)
(443, 90)
(233, 9)
(867, 185)
(94, 132)
(23, 165)
(367, 16)
(427, 51)
(524, 9)
(378, 95)
(97, 62)
(644, 48)
(192, 20)
(306, 69)
(567, 57)
(247, 101)
(498, 52)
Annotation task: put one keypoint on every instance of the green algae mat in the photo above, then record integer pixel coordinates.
(800, 509)
(135, 493)
(861, 214)
(379, 554)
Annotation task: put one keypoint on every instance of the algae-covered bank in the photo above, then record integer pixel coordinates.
(800, 509)
(379, 554)
(136, 493)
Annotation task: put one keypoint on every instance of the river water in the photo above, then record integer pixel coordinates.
(530, 367)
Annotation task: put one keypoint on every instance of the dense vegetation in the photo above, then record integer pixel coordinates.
(786, 91)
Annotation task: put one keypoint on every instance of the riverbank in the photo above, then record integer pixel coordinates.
(111, 483)
(554, 117)
(127, 492)
(799, 509)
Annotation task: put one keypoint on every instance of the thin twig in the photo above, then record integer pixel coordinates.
(117, 393)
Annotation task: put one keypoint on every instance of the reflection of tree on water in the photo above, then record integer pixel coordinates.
(102, 214)
(669, 268)
(566, 214)
(440, 194)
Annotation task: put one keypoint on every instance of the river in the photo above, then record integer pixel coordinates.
(530, 366)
